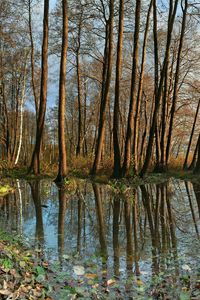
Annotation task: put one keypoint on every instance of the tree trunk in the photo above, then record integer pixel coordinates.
(159, 94)
(116, 146)
(139, 94)
(193, 163)
(62, 172)
(175, 92)
(191, 136)
(21, 113)
(35, 163)
(105, 91)
(78, 73)
(197, 167)
(132, 107)
(32, 59)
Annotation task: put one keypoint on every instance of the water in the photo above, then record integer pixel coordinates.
(137, 244)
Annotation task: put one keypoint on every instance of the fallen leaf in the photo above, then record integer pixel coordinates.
(111, 281)
(90, 276)
(139, 282)
(65, 256)
(5, 292)
(22, 264)
(79, 270)
(186, 268)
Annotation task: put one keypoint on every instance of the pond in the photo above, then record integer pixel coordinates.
(106, 242)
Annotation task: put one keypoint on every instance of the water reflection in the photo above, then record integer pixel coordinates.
(115, 236)
(61, 222)
(142, 232)
(39, 229)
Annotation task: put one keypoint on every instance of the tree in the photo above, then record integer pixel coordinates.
(116, 146)
(35, 162)
(197, 167)
(32, 59)
(107, 72)
(136, 158)
(62, 172)
(191, 136)
(172, 14)
(177, 74)
(133, 94)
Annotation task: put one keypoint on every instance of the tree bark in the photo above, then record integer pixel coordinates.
(159, 94)
(132, 106)
(193, 163)
(21, 112)
(191, 136)
(105, 91)
(139, 94)
(197, 167)
(32, 58)
(62, 172)
(78, 73)
(116, 146)
(177, 74)
(35, 162)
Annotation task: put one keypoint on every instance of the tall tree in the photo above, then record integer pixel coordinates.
(140, 91)
(35, 162)
(107, 72)
(176, 83)
(62, 172)
(191, 137)
(32, 58)
(132, 106)
(116, 146)
(158, 96)
(197, 167)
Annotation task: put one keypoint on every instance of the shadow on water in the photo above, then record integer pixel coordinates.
(135, 237)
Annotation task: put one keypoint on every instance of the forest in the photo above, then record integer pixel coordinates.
(100, 86)
(99, 149)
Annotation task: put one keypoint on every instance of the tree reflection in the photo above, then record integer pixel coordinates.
(61, 222)
(116, 247)
(147, 202)
(101, 228)
(39, 231)
(161, 224)
(135, 231)
(196, 188)
(129, 236)
(80, 213)
(191, 208)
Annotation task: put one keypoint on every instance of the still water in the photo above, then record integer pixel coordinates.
(134, 243)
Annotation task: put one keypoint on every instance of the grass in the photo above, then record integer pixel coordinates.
(80, 168)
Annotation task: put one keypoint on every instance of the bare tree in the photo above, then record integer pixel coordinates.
(62, 172)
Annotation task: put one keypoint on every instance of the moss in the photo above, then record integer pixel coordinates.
(5, 189)
(101, 179)
(23, 173)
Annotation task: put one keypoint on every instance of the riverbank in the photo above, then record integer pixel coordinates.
(103, 176)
